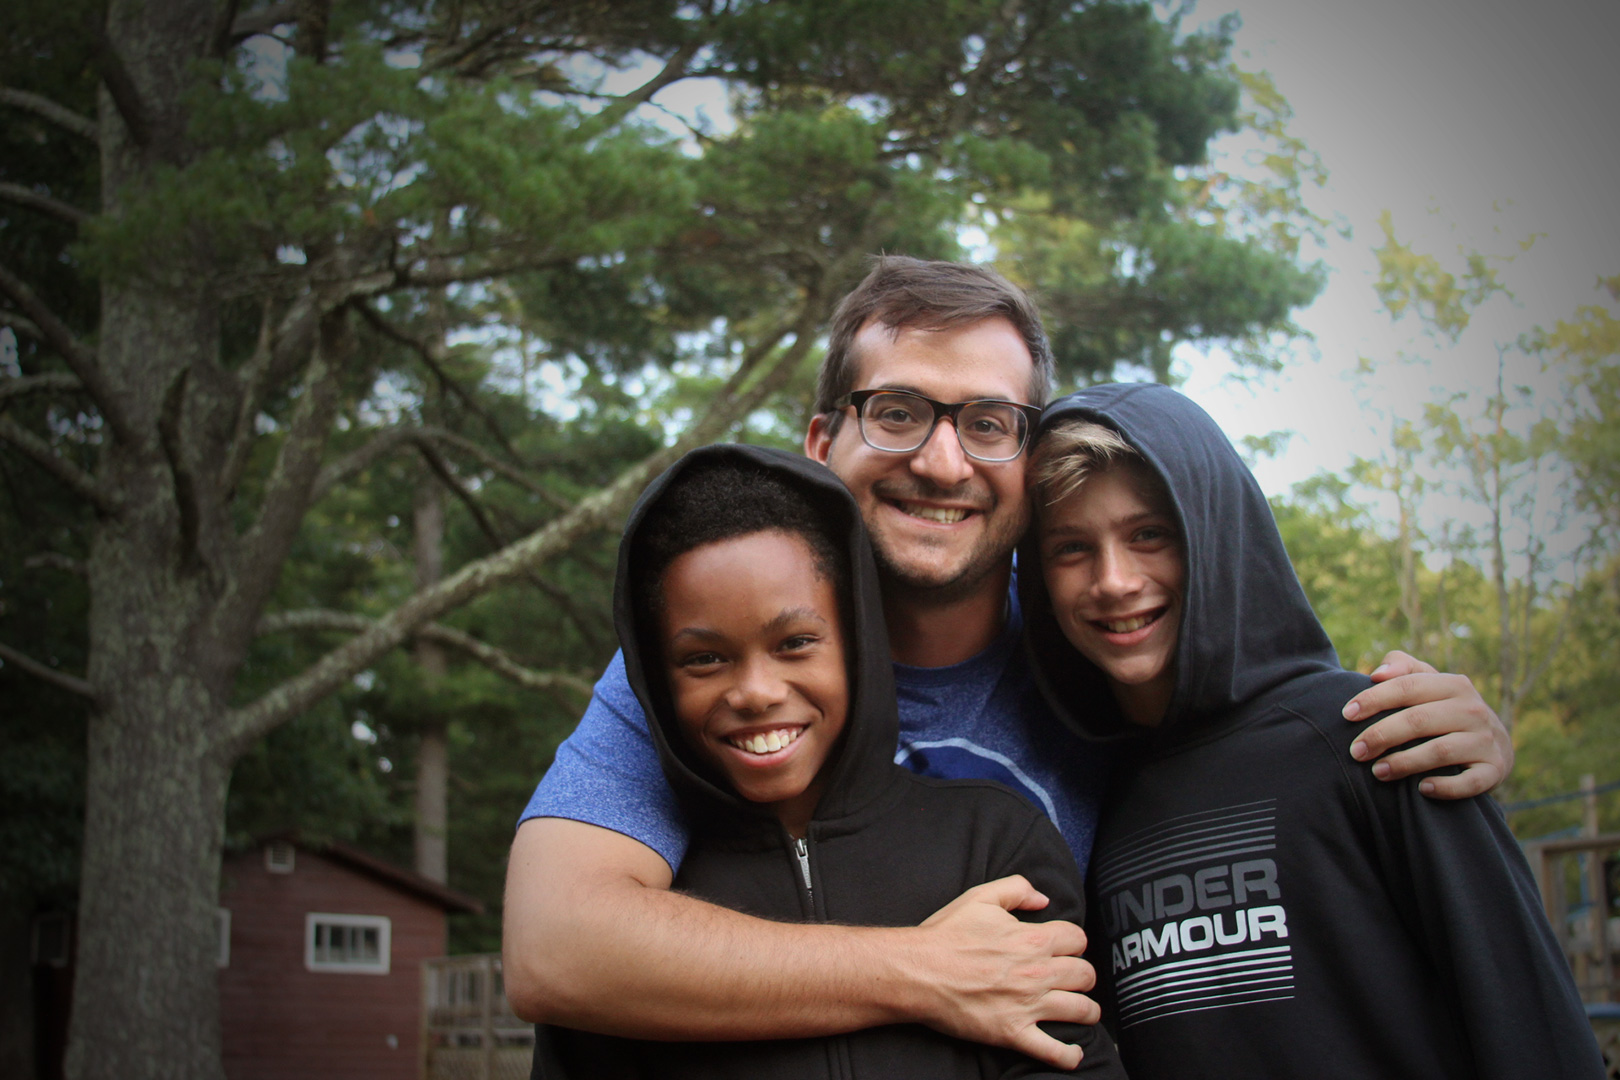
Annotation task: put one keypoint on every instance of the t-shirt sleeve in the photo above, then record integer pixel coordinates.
(607, 773)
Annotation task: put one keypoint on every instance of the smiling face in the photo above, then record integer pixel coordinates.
(754, 654)
(1116, 572)
(940, 521)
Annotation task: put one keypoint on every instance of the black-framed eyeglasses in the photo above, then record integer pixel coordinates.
(899, 422)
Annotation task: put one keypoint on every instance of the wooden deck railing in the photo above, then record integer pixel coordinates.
(469, 1032)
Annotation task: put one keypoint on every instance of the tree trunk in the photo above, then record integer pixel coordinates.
(145, 999)
(433, 751)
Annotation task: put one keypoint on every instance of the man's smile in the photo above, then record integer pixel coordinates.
(945, 515)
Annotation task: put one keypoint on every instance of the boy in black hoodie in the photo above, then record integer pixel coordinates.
(748, 610)
(1265, 907)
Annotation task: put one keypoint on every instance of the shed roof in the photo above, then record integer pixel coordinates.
(400, 878)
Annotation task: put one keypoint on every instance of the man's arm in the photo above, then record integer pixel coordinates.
(1444, 709)
(595, 939)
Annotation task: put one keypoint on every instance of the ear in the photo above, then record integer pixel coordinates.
(818, 437)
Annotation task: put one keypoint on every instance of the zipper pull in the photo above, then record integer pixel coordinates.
(801, 848)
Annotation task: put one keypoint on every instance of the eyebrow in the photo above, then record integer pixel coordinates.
(783, 618)
(907, 388)
(1065, 530)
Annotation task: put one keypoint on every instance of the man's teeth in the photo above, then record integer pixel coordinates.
(945, 515)
(766, 742)
(1125, 626)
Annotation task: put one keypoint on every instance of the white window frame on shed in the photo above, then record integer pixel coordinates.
(380, 923)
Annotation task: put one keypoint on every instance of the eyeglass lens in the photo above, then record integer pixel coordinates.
(902, 422)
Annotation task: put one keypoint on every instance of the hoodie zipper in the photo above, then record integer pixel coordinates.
(801, 848)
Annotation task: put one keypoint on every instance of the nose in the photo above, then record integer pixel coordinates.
(757, 687)
(941, 458)
(1117, 573)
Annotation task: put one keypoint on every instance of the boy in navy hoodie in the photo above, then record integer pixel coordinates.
(1265, 907)
(748, 611)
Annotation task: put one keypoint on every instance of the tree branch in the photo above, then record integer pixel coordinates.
(385, 442)
(431, 355)
(55, 382)
(495, 464)
(56, 561)
(673, 71)
(390, 439)
(120, 87)
(250, 388)
(241, 726)
(185, 486)
(497, 539)
(492, 657)
(74, 478)
(79, 356)
(60, 115)
(60, 679)
(441, 469)
(289, 488)
(23, 196)
(249, 23)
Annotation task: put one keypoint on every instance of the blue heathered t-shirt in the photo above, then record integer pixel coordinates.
(981, 719)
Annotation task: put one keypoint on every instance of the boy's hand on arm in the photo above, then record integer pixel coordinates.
(993, 977)
(1444, 709)
(595, 939)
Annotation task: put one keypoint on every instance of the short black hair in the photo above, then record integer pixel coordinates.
(721, 500)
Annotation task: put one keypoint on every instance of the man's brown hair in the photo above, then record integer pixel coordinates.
(903, 293)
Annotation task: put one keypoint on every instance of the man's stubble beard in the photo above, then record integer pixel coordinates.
(992, 554)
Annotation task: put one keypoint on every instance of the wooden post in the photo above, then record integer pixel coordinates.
(489, 1016)
(1604, 988)
(423, 1067)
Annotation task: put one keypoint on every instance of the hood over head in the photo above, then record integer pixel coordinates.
(864, 756)
(1246, 626)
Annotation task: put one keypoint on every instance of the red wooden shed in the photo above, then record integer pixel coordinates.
(321, 950)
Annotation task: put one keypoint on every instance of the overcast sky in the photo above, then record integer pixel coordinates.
(1477, 124)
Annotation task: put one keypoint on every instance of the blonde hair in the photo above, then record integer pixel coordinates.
(1069, 452)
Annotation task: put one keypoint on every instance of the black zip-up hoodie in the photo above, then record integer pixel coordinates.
(1262, 906)
(884, 848)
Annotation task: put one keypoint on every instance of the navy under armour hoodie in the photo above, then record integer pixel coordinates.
(1261, 905)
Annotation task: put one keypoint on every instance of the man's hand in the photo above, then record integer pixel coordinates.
(1446, 710)
(595, 939)
(996, 976)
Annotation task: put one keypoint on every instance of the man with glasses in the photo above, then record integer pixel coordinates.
(932, 382)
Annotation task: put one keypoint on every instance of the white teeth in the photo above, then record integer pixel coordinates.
(1125, 626)
(766, 742)
(942, 514)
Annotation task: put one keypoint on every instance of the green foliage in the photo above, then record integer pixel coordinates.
(1499, 561)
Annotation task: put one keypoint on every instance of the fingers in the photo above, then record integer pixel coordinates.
(1462, 732)
(1069, 1005)
(1396, 662)
(1465, 785)
(1043, 1047)
(1467, 749)
(1013, 893)
(1420, 688)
